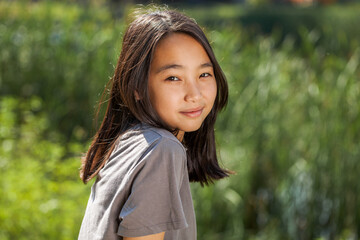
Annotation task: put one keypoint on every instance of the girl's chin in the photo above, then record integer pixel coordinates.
(190, 128)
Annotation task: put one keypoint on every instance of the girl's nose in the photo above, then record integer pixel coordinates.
(193, 92)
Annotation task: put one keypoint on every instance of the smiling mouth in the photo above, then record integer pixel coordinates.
(193, 113)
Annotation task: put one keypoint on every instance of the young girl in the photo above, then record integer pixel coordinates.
(157, 133)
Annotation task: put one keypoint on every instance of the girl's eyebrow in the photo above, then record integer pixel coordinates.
(168, 66)
(177, 66)
(205, 65)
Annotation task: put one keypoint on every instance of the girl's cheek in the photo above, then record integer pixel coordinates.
(211, 90)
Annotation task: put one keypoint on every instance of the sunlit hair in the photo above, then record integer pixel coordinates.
(125, 109)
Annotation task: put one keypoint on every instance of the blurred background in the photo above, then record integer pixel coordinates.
(291, 130)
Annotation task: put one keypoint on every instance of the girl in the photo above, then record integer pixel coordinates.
(157, 133)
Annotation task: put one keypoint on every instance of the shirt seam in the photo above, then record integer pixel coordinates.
(170, 138)
(157, 225)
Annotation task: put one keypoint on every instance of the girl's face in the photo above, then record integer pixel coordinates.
(182, 86)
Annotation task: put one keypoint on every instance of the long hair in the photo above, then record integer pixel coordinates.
(129, 101)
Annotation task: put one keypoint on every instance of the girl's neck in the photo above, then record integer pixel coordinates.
(180, 135)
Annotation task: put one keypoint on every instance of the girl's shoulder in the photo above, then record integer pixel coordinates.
(144, 145)
(143, 136)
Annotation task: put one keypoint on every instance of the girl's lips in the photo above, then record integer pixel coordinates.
(193, 113)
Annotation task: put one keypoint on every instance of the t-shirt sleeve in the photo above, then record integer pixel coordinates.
(154, 204)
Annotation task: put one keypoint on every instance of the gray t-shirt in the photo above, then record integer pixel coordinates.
(143, 189)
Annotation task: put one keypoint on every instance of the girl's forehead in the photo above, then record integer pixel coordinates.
(178, 43)
(174, 37)
(179, 51)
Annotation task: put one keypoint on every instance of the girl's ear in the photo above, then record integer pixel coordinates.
(137, 96)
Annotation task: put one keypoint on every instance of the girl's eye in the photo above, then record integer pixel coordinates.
(172, 78)
(205, 75)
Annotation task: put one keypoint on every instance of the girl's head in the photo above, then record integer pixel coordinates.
(176, 46)
(181, 83)
(166, 76)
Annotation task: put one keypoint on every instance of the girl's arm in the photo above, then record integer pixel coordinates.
(158, 236)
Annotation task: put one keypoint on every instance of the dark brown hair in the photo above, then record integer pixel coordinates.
(125, 110)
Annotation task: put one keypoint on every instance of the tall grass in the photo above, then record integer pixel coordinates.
(62, 53)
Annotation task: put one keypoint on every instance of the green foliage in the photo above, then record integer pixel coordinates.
(290, 130)
(41, 196)
(332, 28)
(53, 51)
